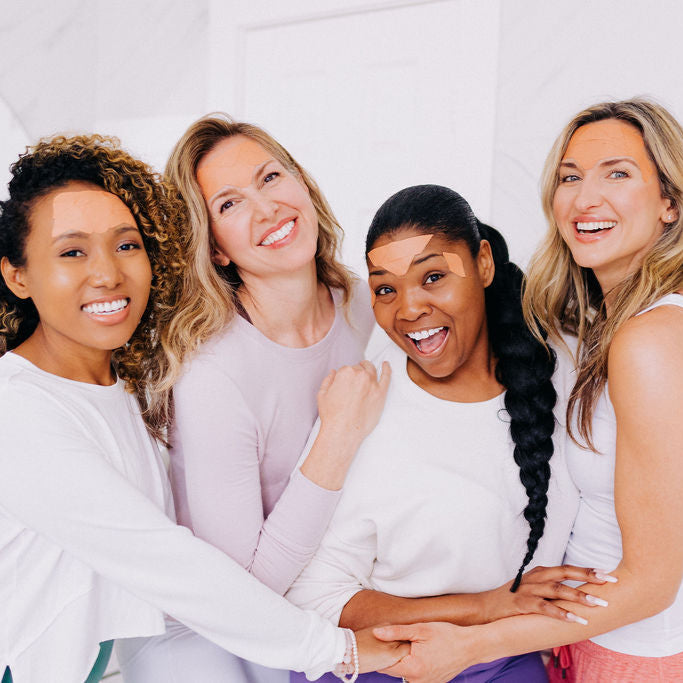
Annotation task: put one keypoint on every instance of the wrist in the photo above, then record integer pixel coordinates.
(488, 606)
(348, 668)
(483, 644)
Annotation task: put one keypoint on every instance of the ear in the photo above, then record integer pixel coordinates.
(670, 214)
(485, 265)
(14, 278)
(218, 257)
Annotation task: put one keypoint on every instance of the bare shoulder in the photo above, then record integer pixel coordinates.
(646, 353)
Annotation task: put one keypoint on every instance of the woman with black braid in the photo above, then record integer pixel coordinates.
(460, 480)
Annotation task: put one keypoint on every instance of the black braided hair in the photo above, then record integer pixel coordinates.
(524, 366)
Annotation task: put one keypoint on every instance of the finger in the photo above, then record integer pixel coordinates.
(385, 377)
(401, 632)
(550, 609)
(565, 572)
(562, 592)
(327, 382)
(369, 368)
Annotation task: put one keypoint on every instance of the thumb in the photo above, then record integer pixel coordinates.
(405, 632)
(327, 382)
(385, 377)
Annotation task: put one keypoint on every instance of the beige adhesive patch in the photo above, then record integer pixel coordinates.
(455, 263)
(231, 162)
(87, 211)
(608, 139)
(396, 257)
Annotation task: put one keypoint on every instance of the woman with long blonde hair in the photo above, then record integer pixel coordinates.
(608, 283)
(267, 319)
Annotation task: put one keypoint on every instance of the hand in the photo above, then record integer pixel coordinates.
(539, 588)
(438, 651)
(351, 400)
(374, 654)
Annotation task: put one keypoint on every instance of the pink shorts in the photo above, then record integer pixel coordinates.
(586, 662)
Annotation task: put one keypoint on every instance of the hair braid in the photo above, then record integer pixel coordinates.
(525, 368)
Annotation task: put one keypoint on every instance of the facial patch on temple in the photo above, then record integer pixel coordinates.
(455, 263)
(396, 257)
(87, 211)
(608, 139)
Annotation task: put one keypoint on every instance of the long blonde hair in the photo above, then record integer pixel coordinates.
(562, 296)
(207, 300)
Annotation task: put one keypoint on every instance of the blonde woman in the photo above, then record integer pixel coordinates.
(266, 320)
(608, 280)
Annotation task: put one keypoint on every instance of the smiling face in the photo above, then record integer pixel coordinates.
(86, 270)
(608, 204)
(434, 312)
(261, 213)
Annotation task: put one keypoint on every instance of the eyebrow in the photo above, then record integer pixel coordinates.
(605, 162)
(79, 234)
(227, 187)
(413, 263)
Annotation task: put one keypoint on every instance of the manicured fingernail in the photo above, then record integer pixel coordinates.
(594, 600)
(604, 576)
(576, 618)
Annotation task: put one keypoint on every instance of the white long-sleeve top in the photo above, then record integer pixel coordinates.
(89, 552)
(433, 503)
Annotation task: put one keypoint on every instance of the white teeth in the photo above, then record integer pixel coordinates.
(423, 334)
(106, 307)
(594, 226)
(278, 234)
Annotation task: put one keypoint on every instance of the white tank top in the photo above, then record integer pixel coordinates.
(596, 540)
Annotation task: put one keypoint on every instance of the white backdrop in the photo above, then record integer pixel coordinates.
(369, 95)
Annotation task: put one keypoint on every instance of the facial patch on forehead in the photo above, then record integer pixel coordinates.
(608, 139)
(396, 257)
(231, 162)
(87, 211)
(455, 263)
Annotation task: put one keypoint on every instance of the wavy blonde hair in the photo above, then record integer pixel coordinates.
(159, 213)
(207, 299)
(562, 296)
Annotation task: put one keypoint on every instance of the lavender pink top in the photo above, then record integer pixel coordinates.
(244, 408)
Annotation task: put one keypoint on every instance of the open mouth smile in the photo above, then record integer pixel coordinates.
(429, 341)
(594, 227)
(279, 234)
(106, 307)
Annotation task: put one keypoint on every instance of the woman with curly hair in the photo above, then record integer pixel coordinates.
(88, 548)
(266, 314)
(608, 281)
(460, 486)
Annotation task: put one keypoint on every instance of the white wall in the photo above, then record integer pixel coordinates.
(369, 95)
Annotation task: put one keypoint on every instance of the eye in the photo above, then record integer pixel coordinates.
(433, 277)
(382, 290)
(616, 174)
(71, 253)
(569, 178)
(269, 177)
(225, 205)
(130, 246)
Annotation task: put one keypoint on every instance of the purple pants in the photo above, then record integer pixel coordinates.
(523, 669)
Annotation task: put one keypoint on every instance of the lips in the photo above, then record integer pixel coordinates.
(593, 227)
(278, 234)
(428, 341)
(106, 307)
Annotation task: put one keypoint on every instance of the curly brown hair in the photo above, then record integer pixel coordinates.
(159, 213)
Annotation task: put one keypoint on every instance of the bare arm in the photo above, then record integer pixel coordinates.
(539, 587)
(646, 388)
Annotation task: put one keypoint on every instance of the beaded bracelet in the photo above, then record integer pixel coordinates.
(349, 665)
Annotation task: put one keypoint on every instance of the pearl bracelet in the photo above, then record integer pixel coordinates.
(347, 669)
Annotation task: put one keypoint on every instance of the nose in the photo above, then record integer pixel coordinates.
(263, 207)
(588, 195)
(413, 304)
(104, 270)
